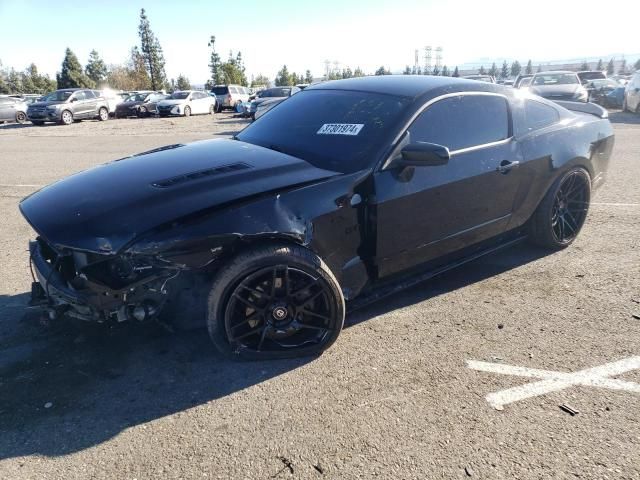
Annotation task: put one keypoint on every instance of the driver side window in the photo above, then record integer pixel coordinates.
(79, 96)
(463, 121)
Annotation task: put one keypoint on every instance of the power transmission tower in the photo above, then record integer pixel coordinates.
(439, 58)
(427, 59)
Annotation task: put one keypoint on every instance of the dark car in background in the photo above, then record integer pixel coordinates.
(269, 98)
(141, 104)
(559, 85)
(264, 237)
(68, 105)
(599, 88)
(12, 109)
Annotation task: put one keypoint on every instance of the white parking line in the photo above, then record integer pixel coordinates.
(604, 204)
(20, 185)
(555, 381)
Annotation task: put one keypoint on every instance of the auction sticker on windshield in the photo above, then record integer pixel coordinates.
(340, 129)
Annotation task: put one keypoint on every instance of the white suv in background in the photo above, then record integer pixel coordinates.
(631, 101)
(186, 103)
(229, 96)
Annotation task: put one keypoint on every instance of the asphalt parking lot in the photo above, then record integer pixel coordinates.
(462, 376)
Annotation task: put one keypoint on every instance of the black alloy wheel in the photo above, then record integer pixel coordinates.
(21, 117)
(570, 207)
(281, 302)
(563, 211)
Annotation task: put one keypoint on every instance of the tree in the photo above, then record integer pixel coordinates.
(600, 65)
(584, 66)
(610, 67)
(131, 76)
(482, 71)
(383, 71)
(71, 75)
(215, 65)
(407, 70)
(515, 68)
(623, 67)
(456, 73)
(182, 83)
(308, 78)
(435, 71)
(283, 77)
(14, 82)
(33, 82)
(260, 81)
(529, 68)
(152, 53)
(445, 71)
(493, 71)
(504, 71)
(96, 70)
(358, 72)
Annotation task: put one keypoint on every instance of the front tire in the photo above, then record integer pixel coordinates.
(66, 118)
(103, 114)
(563, 210)
(275, 302)
(187, 111)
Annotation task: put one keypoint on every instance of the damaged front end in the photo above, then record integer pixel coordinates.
(96, 287)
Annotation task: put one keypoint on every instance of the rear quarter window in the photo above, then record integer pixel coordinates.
(538, 115)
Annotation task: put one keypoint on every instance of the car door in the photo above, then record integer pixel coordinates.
(422, 213)
(201, 101)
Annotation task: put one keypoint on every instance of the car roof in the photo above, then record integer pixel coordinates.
(409, 85)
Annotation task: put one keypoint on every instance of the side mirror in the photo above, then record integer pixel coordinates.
(423, 154)
(73, 99)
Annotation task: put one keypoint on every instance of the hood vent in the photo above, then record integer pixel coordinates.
(209, 172)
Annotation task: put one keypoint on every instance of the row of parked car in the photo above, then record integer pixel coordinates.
(618, 91)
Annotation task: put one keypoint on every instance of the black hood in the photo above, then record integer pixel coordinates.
(106, 207)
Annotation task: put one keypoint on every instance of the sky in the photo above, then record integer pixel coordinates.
(303, 34)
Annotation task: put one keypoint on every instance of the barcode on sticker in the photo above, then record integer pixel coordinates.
(340, 129)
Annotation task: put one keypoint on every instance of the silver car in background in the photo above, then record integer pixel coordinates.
(269, 98)
(12, 109)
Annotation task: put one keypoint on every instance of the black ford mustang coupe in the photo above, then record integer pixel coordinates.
(340, 193)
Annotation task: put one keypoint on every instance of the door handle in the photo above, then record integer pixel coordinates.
(506, 166)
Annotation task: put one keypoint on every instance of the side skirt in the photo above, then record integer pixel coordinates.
(388, 289)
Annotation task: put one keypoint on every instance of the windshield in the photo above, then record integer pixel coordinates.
(179, 95)
(138, 97)
(274, 92)
(336, 130)
(58, 96)
(525, 82)
(556, 79)
(220, 90)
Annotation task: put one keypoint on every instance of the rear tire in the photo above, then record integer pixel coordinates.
(273, 302)
(218, 108)
(21, 117)
(103, 114)
(563, 210)
(142, 112)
